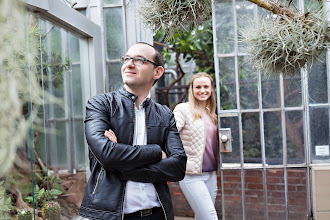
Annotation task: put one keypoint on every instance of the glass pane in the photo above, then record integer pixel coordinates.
(115, 79)
(41, 175)
(248, 84)
(227, 83)
(254, 195)
(234, 156)
(76, 89)
(273, 138)
(275, 194)
(270, 90)
(113, 18)
(295, 137)
(317, 83)
(55, 64)
(82, 11)
(232, 194)
(251, 138)
(74, 48)
(292, 91)
(319, 126)
(297, 194)
(245, 14)
(79, 142)
(225, 26)
(58, 145)
(112, 1)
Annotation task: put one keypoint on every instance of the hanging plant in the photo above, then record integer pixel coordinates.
(18, 85)
(174, 16)
(289, 42)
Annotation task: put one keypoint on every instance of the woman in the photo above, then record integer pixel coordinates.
(196, 121)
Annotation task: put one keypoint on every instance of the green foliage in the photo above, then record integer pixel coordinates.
(13, 179)
(41, 195)
(51, 64)
(195, 44)
(24, 214)
(5, 203)
(52, 210)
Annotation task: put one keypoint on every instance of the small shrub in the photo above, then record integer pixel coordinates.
(52, 210)
(24, 214)
(5, 204)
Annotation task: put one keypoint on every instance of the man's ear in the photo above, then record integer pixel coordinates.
(158, 72)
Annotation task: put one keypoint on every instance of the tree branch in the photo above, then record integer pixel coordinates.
(273, 7)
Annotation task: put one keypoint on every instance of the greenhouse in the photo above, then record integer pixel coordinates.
(270, 61)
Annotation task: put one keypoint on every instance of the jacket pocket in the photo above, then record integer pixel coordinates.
(97, 181)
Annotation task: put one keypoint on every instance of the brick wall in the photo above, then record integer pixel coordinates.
(254, 195)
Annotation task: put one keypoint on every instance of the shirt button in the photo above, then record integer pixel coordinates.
(133, 97)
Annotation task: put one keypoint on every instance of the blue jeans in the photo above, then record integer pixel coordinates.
(200, 192)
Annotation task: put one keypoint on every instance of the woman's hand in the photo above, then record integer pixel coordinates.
(111, 135)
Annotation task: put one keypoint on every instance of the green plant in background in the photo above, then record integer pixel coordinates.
(24, 214)
(51, 64)
(196, 44)
(5, 203)
(52, 210)
(41, 193)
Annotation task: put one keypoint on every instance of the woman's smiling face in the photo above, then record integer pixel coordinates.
(202, 88)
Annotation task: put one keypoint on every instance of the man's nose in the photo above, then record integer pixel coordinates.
(130, 63)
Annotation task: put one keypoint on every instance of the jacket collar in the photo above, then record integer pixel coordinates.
(133, 97)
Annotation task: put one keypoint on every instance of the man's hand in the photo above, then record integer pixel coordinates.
(164, 155)
(111, 135)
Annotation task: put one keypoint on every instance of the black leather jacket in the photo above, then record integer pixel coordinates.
(112, 164)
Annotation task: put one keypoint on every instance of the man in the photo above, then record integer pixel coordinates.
(134, 146)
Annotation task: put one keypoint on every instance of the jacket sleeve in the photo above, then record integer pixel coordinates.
(113, 156)
(180, 116)
(170, 169)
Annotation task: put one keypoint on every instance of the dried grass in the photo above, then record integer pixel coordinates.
(284, 45)
(174, 16)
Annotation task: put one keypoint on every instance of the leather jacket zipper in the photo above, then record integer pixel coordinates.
(160, 202)
(97, 180)
(134, 122)
(122, 212)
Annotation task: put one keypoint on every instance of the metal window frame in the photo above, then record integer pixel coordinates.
(304, 109)
(62, 15)
(92, 71)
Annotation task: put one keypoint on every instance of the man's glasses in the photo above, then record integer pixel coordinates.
(138, 61)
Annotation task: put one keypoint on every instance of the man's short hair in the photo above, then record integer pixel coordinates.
(158, 58)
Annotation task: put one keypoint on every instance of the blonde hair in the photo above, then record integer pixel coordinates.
(195, 109)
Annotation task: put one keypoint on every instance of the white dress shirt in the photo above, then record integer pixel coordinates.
(139, 195)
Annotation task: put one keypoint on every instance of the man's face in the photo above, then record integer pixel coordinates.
(135, 76)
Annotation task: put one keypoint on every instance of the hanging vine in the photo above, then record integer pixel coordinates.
(18, 85)
(287, 43)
